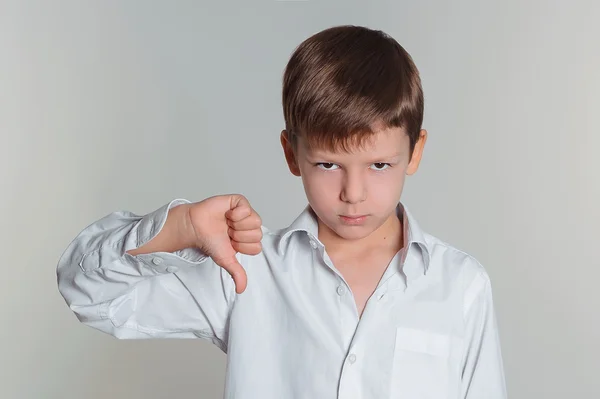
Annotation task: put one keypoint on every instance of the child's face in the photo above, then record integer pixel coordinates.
(367, 181)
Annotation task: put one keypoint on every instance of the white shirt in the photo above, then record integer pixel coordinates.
(428, 331)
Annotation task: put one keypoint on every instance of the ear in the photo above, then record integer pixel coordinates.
(417, 153)
(290, 156)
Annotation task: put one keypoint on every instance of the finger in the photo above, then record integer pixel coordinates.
(238, 213)
(239, 207)
(245, 236)
(249, 223)
(236, 271)
(247, 248)
(237, 200)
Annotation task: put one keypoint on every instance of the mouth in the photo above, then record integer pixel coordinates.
(353, 219)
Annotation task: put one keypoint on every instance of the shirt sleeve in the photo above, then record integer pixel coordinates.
(182, 294)
(482, 367)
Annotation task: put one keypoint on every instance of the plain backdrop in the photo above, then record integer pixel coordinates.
(112, 105)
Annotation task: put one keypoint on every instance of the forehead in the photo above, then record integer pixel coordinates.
(384, 142)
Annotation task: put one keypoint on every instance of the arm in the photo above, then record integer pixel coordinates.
(137, 277)
(483, 372)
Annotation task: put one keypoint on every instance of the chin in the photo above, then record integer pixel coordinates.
(353, 232)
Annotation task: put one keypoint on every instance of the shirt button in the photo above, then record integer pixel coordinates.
(313, 244)
(352, 358)
(172, 269)
(157, 261)
(341, 290)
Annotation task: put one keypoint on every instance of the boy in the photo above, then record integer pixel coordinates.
(353, 299)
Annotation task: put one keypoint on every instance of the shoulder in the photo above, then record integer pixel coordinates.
(451, 260)
(462, 271)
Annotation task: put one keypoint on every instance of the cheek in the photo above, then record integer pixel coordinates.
(319, 185)
(321, 188)
(388, 188)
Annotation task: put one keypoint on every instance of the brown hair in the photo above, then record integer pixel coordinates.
(343, 81)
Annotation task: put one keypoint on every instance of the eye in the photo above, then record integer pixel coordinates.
(326, 165)
(381, 166)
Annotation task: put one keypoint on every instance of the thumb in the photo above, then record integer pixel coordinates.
(235, 270)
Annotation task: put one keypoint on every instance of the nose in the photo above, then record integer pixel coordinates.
(353, 189)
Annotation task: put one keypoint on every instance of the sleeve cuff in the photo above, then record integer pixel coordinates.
(163, 262)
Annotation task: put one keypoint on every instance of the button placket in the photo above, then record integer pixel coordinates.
(350, 381)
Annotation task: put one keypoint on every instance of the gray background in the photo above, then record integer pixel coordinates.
(125, 105)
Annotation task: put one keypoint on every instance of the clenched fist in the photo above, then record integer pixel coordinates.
(224, 225)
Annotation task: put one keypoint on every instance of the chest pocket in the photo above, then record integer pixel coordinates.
(425, 365)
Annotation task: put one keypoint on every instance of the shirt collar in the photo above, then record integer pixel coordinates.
(307, 222)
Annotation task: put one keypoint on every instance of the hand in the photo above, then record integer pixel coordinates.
(224, 225)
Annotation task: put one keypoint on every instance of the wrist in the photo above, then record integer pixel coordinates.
(186, 233)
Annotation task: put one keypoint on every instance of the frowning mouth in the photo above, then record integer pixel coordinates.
(355, 219)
